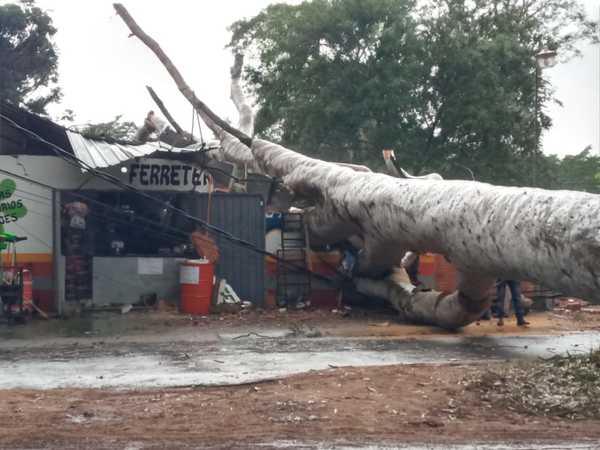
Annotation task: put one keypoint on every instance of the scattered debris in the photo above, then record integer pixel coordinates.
(252, 333)
(561, 386)
(379, 324)
(226, 294)
(570, 304)
(594, 309)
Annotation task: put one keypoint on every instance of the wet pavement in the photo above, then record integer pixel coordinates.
(241, 356)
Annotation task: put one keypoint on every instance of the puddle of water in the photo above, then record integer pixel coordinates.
(192, 363)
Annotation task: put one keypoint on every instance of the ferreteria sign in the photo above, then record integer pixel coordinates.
(165, 175)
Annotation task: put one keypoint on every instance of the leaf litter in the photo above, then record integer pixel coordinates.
(561, 386)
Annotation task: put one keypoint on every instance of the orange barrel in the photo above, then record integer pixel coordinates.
(196, 277)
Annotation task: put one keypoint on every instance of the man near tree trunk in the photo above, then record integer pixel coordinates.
(515, 293)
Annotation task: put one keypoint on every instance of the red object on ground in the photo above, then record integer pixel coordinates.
(27, 290)
(196, 277)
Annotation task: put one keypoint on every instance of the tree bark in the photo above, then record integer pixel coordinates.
(552, 237)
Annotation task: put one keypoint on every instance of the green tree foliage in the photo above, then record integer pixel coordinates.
(580, 172)
(116, 130)
(28, 68)
(448, 85)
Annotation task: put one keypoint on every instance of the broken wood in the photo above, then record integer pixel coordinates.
(41, 312)
(165, 112)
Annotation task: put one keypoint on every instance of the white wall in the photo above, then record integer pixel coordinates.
(36, 225)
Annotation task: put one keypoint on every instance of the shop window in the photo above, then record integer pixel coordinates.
(113, 223)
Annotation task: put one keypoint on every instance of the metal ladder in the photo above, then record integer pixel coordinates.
(293, 277)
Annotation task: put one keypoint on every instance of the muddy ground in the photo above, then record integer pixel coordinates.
(164, 326)
(378, 406)
(383, 405)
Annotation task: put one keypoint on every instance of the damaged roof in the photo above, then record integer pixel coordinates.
(93, 153)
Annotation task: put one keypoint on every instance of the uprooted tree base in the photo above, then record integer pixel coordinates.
(486, 231)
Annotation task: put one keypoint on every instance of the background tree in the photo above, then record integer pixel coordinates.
(448, 85)
(28, 73)
(579, 172)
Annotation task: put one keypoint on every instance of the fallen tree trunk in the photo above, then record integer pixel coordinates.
(487, 232)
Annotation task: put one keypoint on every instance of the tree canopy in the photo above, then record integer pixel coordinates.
(449, 85)
(580, 172)
(28, 72)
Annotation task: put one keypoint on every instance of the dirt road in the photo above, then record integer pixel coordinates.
(411, 405)
(372, 405)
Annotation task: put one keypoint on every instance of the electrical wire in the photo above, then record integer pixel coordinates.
(73, 160)
(37, 238)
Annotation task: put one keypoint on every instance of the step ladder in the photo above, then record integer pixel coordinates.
(293, 277)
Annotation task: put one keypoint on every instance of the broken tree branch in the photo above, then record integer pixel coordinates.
(165, 112)
(205, 112)
(246, 122)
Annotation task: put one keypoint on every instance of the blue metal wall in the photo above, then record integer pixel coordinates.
(243, 216)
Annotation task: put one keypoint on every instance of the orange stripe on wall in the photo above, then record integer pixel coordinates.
(34, 258)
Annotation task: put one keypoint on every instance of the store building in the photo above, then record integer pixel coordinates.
(109, 223)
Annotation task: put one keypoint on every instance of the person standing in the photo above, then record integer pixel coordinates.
(515, 293)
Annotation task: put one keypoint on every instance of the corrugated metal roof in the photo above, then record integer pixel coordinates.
(99, 154)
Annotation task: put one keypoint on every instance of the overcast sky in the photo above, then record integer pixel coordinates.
(103, 73)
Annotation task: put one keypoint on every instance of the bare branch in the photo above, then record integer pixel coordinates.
(213, 121)
(165, 112)
(246, 123)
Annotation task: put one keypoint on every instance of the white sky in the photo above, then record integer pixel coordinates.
(103, 73)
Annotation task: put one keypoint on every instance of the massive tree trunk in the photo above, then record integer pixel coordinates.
(552, 237)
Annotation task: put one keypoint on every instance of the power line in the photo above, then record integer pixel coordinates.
(73, 160)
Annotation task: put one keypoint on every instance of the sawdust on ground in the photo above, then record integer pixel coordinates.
(383, 322)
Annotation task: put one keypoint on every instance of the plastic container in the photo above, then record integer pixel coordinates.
(196, 278)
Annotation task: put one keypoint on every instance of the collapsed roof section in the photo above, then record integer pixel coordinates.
(92, 153)
(101, 154)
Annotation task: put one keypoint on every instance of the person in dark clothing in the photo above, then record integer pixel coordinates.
(413, 271)
(515, 293)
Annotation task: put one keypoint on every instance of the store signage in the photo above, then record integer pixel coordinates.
(166, 175)
(11, 208)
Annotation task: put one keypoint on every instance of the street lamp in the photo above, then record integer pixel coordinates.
(544, 59)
